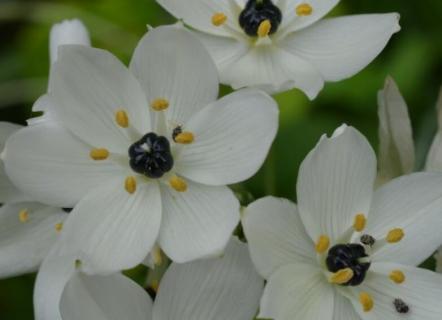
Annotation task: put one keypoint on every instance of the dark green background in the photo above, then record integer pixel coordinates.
(413, 58)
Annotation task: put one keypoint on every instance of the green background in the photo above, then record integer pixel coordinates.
(413, 58)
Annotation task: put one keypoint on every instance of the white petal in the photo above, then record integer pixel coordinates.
(335, 183)
(276, 235)
(224, 51)
(215, 289)
(197, 223)
(341, 47)
(297, 292)
(172, 64)
(24, 244)
(434, 158)
(54, 167)
(67, 32)
(274, 70)
(116, 229)
(421, 291)
(293, 22)
(232, 139)
(89, 86)
(396, 153)
(8, 192)
(113, 297)
(54, 274)
(413, 203)
(343, 309)
(198, 14)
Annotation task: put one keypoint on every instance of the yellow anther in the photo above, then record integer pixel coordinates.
(264, 28)
(342, 276)
(395, 235)
(184, 138)
(159, 104)
(155, 285)
(23, 215)
(304, 9)
(122, 118)
(360, 222)
(322, 244)
(178, 184)
(59, 227)
(130, 185)
(397, 276)
(99, 154)
(157, 256)
(366, 301)
(218, 19)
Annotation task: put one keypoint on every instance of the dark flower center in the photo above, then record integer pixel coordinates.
(344, 256)
(151, 156)
(256, 12)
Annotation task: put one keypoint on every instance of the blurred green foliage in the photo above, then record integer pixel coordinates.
(413, 58)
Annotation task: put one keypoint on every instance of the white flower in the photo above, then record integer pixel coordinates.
(346, 252)
(215, 289)
(184, 147)
(28, 229)
(280, 44)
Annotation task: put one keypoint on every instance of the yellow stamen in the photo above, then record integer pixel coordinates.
(157, 256)
(218, 19)
(322, 244)
(397, 276)
(360, 222)
(155, 285)
(304, 9)
(366, 301)
(159, 104)
(122, 118)
(264, 28)
(178, 184)
(130, 185)
(185, 138)
(59, 227)
(342, 276)
(23, 215)
(395, 235)
(99, 154)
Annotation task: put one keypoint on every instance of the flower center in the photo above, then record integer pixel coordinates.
(348, 256)
(260, 18)
(151, 156)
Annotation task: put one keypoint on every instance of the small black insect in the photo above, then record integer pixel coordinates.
(401, 306)
(368, 240)
(257, 11)
(177, 131)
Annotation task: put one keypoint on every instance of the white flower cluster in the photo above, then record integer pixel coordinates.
(129, 165)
